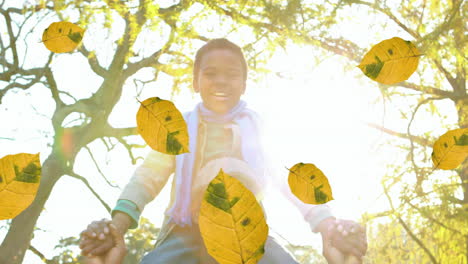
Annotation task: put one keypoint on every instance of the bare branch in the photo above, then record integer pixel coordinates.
(93, 62)
(11, 36)
(387, 12)
(150, 61)
(110, 131)
(438, 188)
(40, 255)
(434, 34)
(408, 230)
(419, 175)
(448, 76)
(105, 144)
(85, 106)
(85, 181)
(420, 140)
(129, 149)
(339, 46)
(426, 215)
(69, 95)
(17, 85)
(426, 90)
(99, 169)
(53, 87)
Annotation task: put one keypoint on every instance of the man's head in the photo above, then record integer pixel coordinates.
(220, 74)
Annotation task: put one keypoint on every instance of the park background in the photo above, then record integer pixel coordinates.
(372, 141)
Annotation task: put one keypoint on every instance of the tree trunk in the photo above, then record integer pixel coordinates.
(19, 235)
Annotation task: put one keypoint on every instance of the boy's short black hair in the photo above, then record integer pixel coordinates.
(219, 43)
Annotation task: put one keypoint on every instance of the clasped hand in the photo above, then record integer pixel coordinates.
(344, 241)
(102, 243)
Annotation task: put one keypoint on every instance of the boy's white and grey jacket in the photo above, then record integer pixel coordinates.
(151, 176)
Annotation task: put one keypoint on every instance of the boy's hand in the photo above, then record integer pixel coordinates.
(96, 239)
(116, 254)
(349, 237)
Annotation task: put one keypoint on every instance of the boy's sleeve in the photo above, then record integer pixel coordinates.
(146, 183)
(131, 209)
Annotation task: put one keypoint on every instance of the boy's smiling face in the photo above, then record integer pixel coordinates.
(220, 80)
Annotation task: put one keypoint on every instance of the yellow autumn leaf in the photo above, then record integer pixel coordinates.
(232, 223)
(62, 37)
(451, 149)
(309, 184)
(391, 61)
(19, 180)
(162, 126)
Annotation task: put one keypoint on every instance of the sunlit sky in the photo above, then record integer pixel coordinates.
(316, 114)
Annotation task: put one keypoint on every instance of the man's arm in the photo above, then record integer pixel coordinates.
(122, 222)
(145, 184)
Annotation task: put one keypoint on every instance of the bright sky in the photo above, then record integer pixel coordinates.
(316, 115)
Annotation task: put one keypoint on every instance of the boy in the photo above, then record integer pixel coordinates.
(223, 133)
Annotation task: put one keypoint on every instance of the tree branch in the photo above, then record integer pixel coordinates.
(438, 188)
(93, 62)
(40, 255)
(38, 73)
(426, 215)
(85, 106)
(99, 169)
(387, 12)
(338, 46)
(129, 149)
(408, 230)
(447, 75)
(85, 181)
(150, 61)
(420, 140)
(426, 90)
(434, 34)
(109, 131)
(17, 85)
(53, 87)
(419, 176)
(11, 36)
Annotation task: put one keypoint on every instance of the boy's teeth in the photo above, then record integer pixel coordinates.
(220, 94)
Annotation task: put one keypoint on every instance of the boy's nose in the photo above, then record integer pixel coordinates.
(221, 78)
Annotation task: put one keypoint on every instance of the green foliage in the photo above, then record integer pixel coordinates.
(140, 241)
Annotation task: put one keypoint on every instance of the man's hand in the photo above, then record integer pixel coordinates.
(331, 254)
(344, 241)
(116, 254)
(349, 237)
(95, 239)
